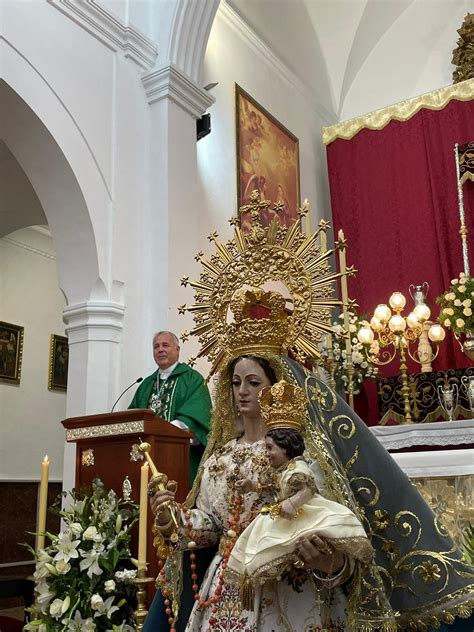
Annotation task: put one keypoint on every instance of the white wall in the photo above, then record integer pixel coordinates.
(30, 414)
(412, 57)
(234, 55)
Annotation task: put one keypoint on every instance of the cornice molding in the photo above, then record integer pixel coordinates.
(169, 82)
(110, 30)
(94, 320)
(230, 16)
(37, 251)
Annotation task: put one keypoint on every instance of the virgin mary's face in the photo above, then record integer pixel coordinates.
(248, 380)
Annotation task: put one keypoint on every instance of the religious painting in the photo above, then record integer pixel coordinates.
(267, 161)
(11, 351)
(58, 363)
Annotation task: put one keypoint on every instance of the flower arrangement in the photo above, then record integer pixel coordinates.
(83, 578)
(457, 304)
(363, 368)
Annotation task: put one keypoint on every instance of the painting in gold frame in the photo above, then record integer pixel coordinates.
(267, 160)
(11, 352)
(58, 363)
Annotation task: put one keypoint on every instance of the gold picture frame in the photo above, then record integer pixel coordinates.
(267, 160)
(11, 352)
(58, 363)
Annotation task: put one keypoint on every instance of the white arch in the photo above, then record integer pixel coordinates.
(50, 148)
(190, 33)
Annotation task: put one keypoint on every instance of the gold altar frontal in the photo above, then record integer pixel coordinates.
(439, 459)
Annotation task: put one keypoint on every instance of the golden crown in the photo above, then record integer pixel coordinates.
(266, 258)
(283, 405)
(261, 323)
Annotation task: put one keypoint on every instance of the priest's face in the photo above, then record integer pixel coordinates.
(165, 350)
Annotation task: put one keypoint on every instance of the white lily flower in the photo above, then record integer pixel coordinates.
(90, 562)
(103, 607)
(78, 624)
(67, 548)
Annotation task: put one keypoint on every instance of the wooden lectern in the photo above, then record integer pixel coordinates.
(104, 449)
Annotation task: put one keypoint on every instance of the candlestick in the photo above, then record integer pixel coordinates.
(330, 364)
(142, 525)
(141, 612)
(43, 504)
(345, 310)
(308, 223)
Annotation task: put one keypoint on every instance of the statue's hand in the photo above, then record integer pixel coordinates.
(161, 498)
(288, 510)
(316, 554)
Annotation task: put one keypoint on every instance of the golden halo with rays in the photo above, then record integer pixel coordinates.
(275, 254)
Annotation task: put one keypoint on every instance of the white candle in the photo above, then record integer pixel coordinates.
(142, 525)
(43, 504)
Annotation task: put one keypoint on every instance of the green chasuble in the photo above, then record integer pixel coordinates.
(187, 399)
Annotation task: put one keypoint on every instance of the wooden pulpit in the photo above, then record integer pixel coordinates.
(105, 449)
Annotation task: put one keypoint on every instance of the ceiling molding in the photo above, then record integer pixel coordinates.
(230, 16)
(170, 82)
(36, 251)
(110, 30)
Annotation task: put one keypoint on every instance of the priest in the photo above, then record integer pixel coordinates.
(177, 393)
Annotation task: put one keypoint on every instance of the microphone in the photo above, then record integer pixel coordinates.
(140, 379)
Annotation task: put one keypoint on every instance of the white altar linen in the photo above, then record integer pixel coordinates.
(439, 433)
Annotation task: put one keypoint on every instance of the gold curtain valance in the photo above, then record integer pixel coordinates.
(436, 100)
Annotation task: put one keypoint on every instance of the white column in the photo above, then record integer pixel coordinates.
(94, 330)
(174, 234)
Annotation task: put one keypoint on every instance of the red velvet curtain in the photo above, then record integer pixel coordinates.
(394, 193)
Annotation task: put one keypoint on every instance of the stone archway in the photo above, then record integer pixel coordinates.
(50, 148)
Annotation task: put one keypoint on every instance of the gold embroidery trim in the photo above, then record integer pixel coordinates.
(436, 100)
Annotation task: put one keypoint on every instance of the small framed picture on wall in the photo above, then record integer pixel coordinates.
(267, 161)
(11, 352)
(58, 363)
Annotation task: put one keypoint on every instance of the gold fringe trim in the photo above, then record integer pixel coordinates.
(436, 100)
(247, 593)
(416, 621)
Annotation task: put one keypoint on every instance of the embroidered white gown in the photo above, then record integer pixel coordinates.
(288, 605)
(266, 548)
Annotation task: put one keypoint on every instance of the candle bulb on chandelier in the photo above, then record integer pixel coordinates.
(365, 335)
(436, 333)
(397, 301)
(422, 312)
(382, 313)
